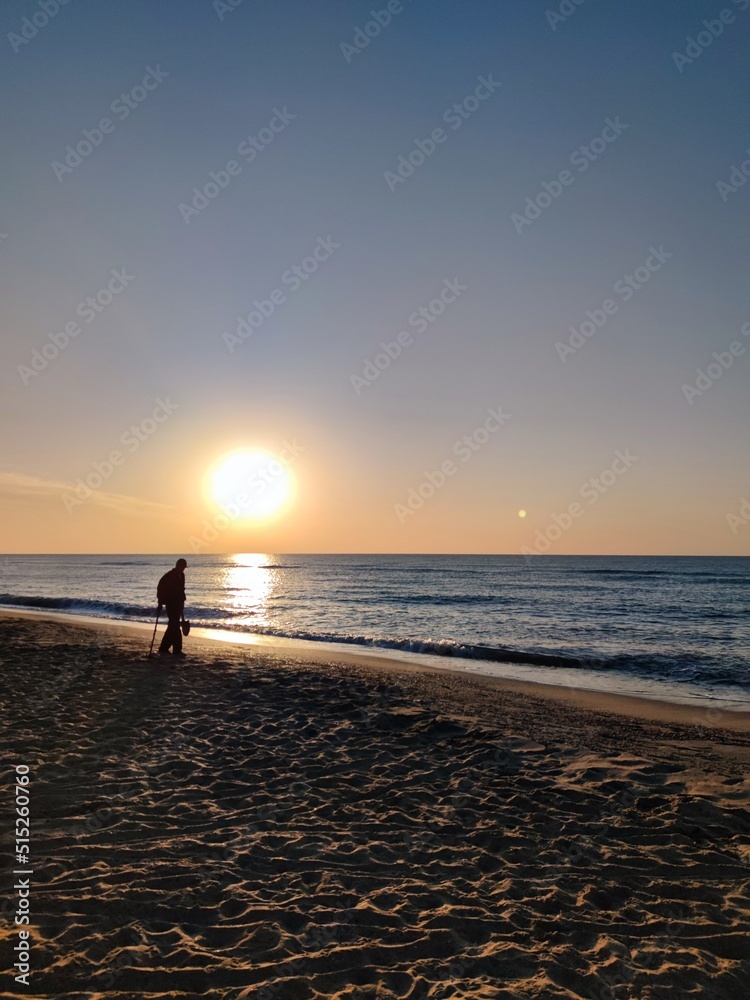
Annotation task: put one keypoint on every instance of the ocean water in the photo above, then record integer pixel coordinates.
(624, 623)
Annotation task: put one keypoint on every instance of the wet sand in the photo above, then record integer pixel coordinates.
(247, 823)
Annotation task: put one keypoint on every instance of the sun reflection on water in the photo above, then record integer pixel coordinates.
(250, 583)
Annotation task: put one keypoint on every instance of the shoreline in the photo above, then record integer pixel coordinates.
(616, 703)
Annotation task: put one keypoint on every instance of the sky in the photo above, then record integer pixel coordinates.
(558, 187)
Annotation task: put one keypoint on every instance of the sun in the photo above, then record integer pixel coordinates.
(250, 485)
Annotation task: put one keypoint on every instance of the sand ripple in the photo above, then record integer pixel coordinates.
(278, 831)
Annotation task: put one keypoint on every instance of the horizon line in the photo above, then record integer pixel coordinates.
(460, 555)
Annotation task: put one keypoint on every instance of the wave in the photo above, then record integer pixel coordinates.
(130, 562)
(229, 565)
(113, 609)
(661, 664)
(439, 647)
(630, 572)
(412, 598)
(77, 604)
(705, 576)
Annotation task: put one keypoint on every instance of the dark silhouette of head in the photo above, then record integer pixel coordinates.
(180, 564)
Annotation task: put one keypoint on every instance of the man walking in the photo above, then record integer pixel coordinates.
(171, 594)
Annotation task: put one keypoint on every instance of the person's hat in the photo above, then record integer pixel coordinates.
(181, 563)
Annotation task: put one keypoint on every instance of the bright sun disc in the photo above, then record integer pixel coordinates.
(251, 485)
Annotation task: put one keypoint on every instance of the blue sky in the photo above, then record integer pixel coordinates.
(322, 176)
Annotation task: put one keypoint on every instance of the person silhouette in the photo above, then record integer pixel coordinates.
(170, 594)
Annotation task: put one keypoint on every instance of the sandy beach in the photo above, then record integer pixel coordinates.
(247, 824)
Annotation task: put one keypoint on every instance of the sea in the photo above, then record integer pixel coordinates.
(676, 628)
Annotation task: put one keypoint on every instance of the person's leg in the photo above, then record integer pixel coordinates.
(176, 616)
(173, 635)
